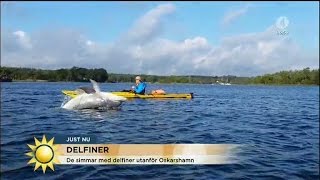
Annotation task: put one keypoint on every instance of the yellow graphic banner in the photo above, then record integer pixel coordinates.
(145, 153)
(45, 154)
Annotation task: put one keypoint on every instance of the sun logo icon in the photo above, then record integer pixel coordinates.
(43, 154)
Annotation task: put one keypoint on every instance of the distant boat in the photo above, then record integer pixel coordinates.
(223, 84)
(5, 78)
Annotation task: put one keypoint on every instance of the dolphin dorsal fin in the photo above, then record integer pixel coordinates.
(95, 86)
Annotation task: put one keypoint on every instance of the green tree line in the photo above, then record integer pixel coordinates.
(305, 76)
(172, 79)
(72, 74)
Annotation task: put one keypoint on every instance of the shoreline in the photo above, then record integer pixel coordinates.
(250, 84)
(304, 77)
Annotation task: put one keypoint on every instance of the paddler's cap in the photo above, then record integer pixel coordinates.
(138, 78)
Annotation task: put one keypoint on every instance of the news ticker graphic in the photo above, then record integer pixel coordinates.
(45, 154)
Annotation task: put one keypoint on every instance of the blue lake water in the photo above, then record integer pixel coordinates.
(278, 126)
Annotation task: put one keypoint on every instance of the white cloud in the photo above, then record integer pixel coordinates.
(15, 41)
(89, 43)
(231, 16)
(23, 39)
(149, 25)
(142, 50)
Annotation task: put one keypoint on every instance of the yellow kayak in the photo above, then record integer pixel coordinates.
(73, 94)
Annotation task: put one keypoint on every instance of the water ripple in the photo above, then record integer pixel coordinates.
(277, 126)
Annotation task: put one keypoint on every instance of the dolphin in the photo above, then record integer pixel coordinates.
(94, 99)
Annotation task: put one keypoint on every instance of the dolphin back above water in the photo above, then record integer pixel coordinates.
(93, 99)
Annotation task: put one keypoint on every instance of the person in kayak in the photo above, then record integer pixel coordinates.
(140, 87)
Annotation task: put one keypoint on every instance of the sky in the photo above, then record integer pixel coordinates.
(162, 38)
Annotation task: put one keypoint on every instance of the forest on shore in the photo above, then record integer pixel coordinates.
(77, 74)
